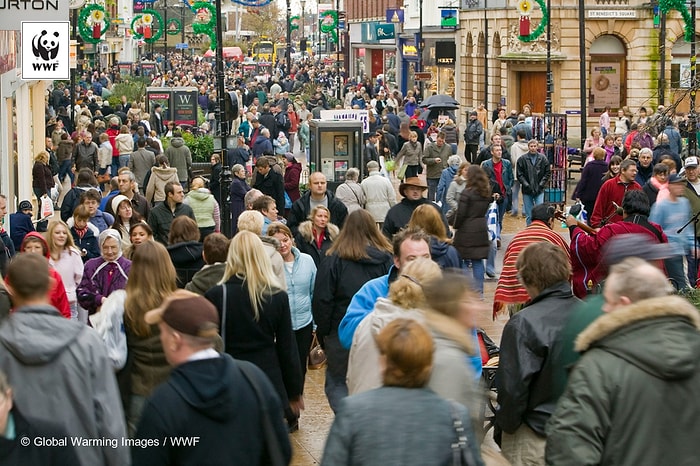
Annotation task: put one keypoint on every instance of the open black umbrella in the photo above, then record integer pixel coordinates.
(439, 99)
(444, 106)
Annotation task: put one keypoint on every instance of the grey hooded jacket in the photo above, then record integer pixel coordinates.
(60, 371)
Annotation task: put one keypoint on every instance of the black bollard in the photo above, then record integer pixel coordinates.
(225, 207)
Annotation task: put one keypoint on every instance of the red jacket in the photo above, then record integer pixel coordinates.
(113, 132)
(57, 293)
(612, 190)
(586, 251)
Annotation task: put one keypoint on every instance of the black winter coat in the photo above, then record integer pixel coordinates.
(400, 214)
(301, 209)
(272, 184)
(187, 259)
(337, 281)
(472, 236)
(210, 400)
(525, 373)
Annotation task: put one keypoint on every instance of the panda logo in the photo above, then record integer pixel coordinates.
(45, 45)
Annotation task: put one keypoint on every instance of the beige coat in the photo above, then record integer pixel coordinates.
(155, 191)
(379, 194)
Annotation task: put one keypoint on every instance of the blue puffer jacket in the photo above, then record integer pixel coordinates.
(300, 288)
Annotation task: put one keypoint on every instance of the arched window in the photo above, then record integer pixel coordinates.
(608, 85)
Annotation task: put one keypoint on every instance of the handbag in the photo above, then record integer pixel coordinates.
(461, 454)
(317, 356)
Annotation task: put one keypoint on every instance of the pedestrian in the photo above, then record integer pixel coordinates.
(405, 301)
(239, 189)
(160, 175)
(269, 182)
(235, 395)
(140, 163)
(206, 210)
(84, 235)
(179, 157)
(316, 235)
(62, 373)
(317, 194)
(105, 274)
(472, 135)
(525, 375)
(412, 190)
(436, 158)
(256, 320)
(472, 236)
(185, 249)
(410, 155)
(591, 180)
(162, 215)
(300, 273)
(124, 217)
(214, 250)
(428, 219)
(380, 195)
(533, 175)
(66, 259)
(423, 434)
(350, 192)
(359, 254)
(153, 280)
(620, 356)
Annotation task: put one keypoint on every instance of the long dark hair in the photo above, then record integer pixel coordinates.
(359, 231)
(478, 180)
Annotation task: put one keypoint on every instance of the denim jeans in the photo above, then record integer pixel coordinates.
(65, 169)
(529, 202)
(515, 193)
(124, 160)
(336, 387)
(115, 166)
(477, 267)
(693, 263)
(432, 188)
(674, 269)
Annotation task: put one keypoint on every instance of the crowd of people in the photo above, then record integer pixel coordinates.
(132, 323)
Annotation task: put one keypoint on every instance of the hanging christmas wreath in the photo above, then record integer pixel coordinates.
(205, 21)
(148, 25)
(294, 23)
(679, 5)
(329, 24)
(174, 26)
(93, 23)
(525, 6)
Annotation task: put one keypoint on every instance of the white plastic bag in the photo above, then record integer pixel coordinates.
(46, 207)
(109, 324)
(492, 221)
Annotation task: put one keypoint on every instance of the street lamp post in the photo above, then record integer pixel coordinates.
(692, 115)
(303, 29)
(486, 54)
(420, 45)
(548, 100)
(583, 102)
(289, 38)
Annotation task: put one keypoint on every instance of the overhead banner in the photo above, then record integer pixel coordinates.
(45, 50)
(13, 13)
(345, 115)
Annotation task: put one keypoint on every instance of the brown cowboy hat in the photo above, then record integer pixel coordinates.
(413, 181)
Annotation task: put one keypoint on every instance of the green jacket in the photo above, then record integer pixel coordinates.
(203, 206)
(564, 356)
(434, 169)
(632, 398)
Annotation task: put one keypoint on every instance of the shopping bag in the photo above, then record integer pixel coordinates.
(492, 221)
(46, 207)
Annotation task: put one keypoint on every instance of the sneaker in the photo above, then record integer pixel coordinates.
(490, 275)
(498, 244)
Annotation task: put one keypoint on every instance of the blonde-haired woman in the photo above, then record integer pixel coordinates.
(405, 300)
(66, 259)
(256, 323)
(151, 281)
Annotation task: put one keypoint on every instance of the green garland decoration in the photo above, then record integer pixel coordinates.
(206, 28)
(332, 27)
(177, 29)
(294, 23)
(158, 32)
(543, 24)
(667, 5)
(85, 29)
